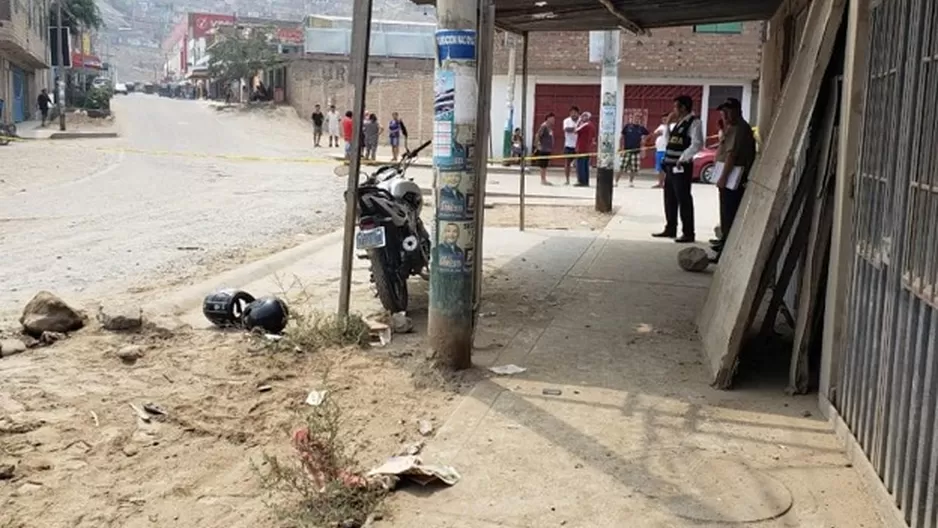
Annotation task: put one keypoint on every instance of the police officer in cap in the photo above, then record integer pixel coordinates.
(736, 153)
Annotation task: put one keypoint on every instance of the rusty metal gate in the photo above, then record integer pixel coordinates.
(888, 390)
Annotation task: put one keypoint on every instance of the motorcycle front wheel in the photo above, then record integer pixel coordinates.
(391, 286)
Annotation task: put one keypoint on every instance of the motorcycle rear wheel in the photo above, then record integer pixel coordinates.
(391, 286)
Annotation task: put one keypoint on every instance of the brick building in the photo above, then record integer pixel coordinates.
(395, 84)
(709, 63)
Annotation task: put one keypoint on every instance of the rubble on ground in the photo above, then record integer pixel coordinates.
(121, 319)
(48, 313)
(130, 353)
(693, 259)
(11, 347)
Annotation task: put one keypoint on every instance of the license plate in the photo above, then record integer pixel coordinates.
(370, 238)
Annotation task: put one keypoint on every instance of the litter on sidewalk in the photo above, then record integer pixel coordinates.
(414, 469)
(507, 370)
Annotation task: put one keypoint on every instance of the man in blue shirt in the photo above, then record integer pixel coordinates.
(633, 134)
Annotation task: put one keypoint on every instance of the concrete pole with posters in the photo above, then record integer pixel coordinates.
(510, 103)
(609, 92)
(454, 143)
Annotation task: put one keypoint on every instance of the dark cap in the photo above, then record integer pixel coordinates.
(731, 103)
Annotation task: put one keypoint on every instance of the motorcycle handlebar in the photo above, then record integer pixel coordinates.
(413, 153)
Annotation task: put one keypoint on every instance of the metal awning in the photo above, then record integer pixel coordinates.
(637, 16)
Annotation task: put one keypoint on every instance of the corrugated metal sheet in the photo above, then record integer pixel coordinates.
(888, 391)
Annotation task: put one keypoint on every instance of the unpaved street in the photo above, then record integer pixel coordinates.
(93, 218)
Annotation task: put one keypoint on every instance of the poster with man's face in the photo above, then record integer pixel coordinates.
(453, 248)
(454, 196)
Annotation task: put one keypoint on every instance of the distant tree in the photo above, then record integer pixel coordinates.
(77, 14)
(239, 54)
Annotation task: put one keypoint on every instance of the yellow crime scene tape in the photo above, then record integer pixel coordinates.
(320, 160)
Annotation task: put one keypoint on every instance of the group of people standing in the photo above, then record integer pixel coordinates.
(336, 127)
(579, 145)
(677, 139)
(735, 156)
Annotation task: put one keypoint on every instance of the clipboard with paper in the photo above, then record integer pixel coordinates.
(733, 179)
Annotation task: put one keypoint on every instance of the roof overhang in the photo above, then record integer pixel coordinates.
(637, 16)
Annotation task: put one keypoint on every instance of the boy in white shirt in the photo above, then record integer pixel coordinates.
(661, 135)
(569, 140)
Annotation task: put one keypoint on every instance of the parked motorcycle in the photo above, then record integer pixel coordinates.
(390, 230)
(7, 133)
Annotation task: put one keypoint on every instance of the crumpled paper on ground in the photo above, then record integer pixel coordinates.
(414, 469)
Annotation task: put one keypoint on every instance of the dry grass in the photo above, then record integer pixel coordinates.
(323, 487)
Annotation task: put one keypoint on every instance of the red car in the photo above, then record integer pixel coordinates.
(703, 165)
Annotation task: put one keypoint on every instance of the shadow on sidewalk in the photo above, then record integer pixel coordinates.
(614, 422)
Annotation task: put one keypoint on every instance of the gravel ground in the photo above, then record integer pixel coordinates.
(87, 220)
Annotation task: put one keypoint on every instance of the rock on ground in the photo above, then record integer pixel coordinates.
(9, 347)
(130, 353)
(47, 313)
(693, 259)
(121, 320)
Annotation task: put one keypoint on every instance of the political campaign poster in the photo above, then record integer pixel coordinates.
(455, 45)
(454, 247)
(455, 200)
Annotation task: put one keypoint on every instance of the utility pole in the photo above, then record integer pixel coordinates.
(61, 35)
(361, 45)
(609, 91)
(453, 232)
(510, 122)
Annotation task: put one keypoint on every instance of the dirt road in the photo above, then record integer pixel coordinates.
(87, 219)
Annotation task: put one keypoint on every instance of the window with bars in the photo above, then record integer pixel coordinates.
(921, 255)
(732, 28)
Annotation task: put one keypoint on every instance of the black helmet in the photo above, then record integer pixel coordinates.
(225, 307)
(267, 313)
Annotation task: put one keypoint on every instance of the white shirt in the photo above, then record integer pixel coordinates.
(569, 138)
(696, 140)
(332, 123)
(661, 142)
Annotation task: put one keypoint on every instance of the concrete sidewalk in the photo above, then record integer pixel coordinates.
(31, 130)
(614, 424)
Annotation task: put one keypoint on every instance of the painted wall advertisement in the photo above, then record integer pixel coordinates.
(454, 137)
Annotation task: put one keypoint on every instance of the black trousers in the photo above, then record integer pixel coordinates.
(730, 201)
(678, 200)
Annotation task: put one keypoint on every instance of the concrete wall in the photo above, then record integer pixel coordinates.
(24, 32)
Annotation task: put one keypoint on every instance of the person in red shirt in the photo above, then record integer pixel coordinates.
(348, 128)
(585, 144)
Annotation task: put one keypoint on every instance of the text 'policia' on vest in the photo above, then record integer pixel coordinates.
(679, 140)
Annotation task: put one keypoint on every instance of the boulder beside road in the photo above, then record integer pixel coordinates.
(48, 313)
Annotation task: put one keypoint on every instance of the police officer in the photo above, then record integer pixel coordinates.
(685, 140)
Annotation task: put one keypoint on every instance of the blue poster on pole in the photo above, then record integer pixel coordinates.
(444, 102)
(455, 197)
(449, 151)
(455, 45)
(454, 246)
